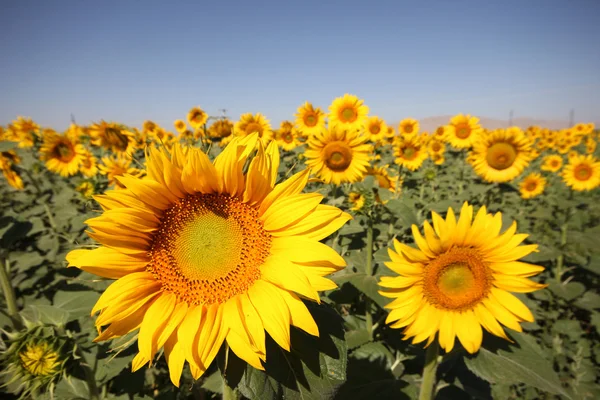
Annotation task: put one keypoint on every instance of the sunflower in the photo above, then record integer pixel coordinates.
(376, 129)
(458, 280)
(89, 164)
(61, 154)
(590, 145)
(117, 166)
(287, 137)
(501, 155)
(113, 137)
(25, 130)
(222, 130)
(348, 112)
(438, 159)
(337, 156)
(410, 152)
(463, 131)
(436, 147)
(441, 133)
(249, 124)
(582, 173)
(197, 117)
(180, 125)
(310, 120)
(9, 158)
(408, 127)
(532, 185)
(356, 200)
(86, 189)
(207, 253)
(13, 178)
(384, 180)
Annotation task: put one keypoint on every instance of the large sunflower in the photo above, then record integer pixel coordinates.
(410, 152)
(458, 280)
(462, 131)
(348, 112)
(210, 252)
(532, 185)
(337, 155)
(113, 137)
(61, 154)
(501, 155)
(582, 173)
(249, 124)
(310, 120)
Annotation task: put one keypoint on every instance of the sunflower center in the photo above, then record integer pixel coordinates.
(254, 127)
(501, 155)
(310, 120)
(209, 248)
(338, 156)
(457, 280)
(582, 172)
(463, 131)
(116, 139)
(530, 186)
(409, 153)
(288, 138)
(440, 131)
(436, 146)
(348, 114)
(375, 129)
(64, 152)
(408, 128)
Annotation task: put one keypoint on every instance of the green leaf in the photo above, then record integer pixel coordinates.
(405, 214)
(568, 291)
(522, 362)
(589, 301)
(77, 304)
(72, 388)
(5, 145)
(46, 314)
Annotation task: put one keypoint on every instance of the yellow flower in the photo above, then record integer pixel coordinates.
(86, 189)
(409, 152)
(357, 201)
(582, 173)
(552, 163)
(113, 137)
(310, 120)
(13, 178)
(210, 252)
(436, 147)
(463, 131)
(9, 158)
(249, 124)
(88, 165)
(501, 155)
(590, 145)
(337, 156)
(197, 117)
(117, 166)
(348, 112)
(384, 180)
(40, 359)
(438, 159)
(532, 185)
(376, 129)
(287, 137)
(441, 133)
(25, 131)
(458, 280)
(222, 130)
(61, 154)
(408, 127)
(180, 125)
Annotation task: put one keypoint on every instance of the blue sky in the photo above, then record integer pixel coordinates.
(129, 61)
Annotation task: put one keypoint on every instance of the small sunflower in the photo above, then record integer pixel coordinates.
(356, 200)
(13, 178)
(384, 180)
(249, 124)
(113, 137)
(532, 185)
(408, 127)
(582, 173)
(222, 130)
(197, 117)
(117, 166)
(459, 280)
(501, 155)
(436, 147)
(438, 159)
(410, 152)
(310, 120)
(376, 129)
(441, 133)
(463, 131)
(348, 113)
(337, 156)
(180, 125)
(288, 137)
(61, 154)
(590, 145)
(86, 189)
(210, 252)
(25, 131)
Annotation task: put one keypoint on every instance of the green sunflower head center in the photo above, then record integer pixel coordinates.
(288, 137)
(338, 156)
(348, 114)
(456, 279)
(501, 155)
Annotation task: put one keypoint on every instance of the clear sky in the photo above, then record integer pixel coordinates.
(129, 61)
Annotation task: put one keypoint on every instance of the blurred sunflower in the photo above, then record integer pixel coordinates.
(25, 130)
(438, 159)
(582, 173)
(436, 147)
(348, 112)
(384, 180)
(197, 117)
(249, 124)
(222, 130)
(501, 155)
(13, 178)
(61, 154)
(86, 189)
(287, 137)
(207, 253)
(113, 137)
(408, 127)
(463, 130)
(180, 125)
(149, 126)
(376, 129)
(409, 152)
(310, 120)
(441, 133)
(532, 185)
(458, 280)
(117, 166)
(590, 145)
(356, 200)
(337, 155)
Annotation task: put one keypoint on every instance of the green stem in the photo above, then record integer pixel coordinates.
(229, 393)
(369, 272)
(429, 383)
(9, 294)
(561, 258)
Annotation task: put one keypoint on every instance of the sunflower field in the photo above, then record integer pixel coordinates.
(337, 257)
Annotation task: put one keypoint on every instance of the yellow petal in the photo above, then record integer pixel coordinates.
(301, 250)
(291, 186)
(299, 314)
(272, 310)
(288, 210)
(287, 275)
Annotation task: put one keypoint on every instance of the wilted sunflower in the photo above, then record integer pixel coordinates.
(116, 166)
(113, 137)
(376, 129)
(582, 173)
(310, 120)
(210, 252)
(501, 155)
(462, 131)
(197, 117)
(532, 185)
(249, 124)
(337, 156)
(552, 163)
(410, 152)
(408, 127)
(348, 112)
(458, 280)
(61, 154)
(180, 125)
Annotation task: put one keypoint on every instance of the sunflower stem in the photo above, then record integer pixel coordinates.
(428, 384)
(561, 257)
(9, 294)
(369, 272)
(229, 393)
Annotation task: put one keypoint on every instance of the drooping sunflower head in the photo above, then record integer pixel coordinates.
(113, 137)
(338, 156)
(409, 152)
(310, 120)
(501, 155)
(463, 131)
(207, 252)
(197, 117)
(408, 127)
(384, 179)
(180, 125)
(458, 280)
(249, 124)
(552, 163)
(582, 173)
(532, 185)
(376, 129)
(222, 130)
(348, 113)
(62, 154)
